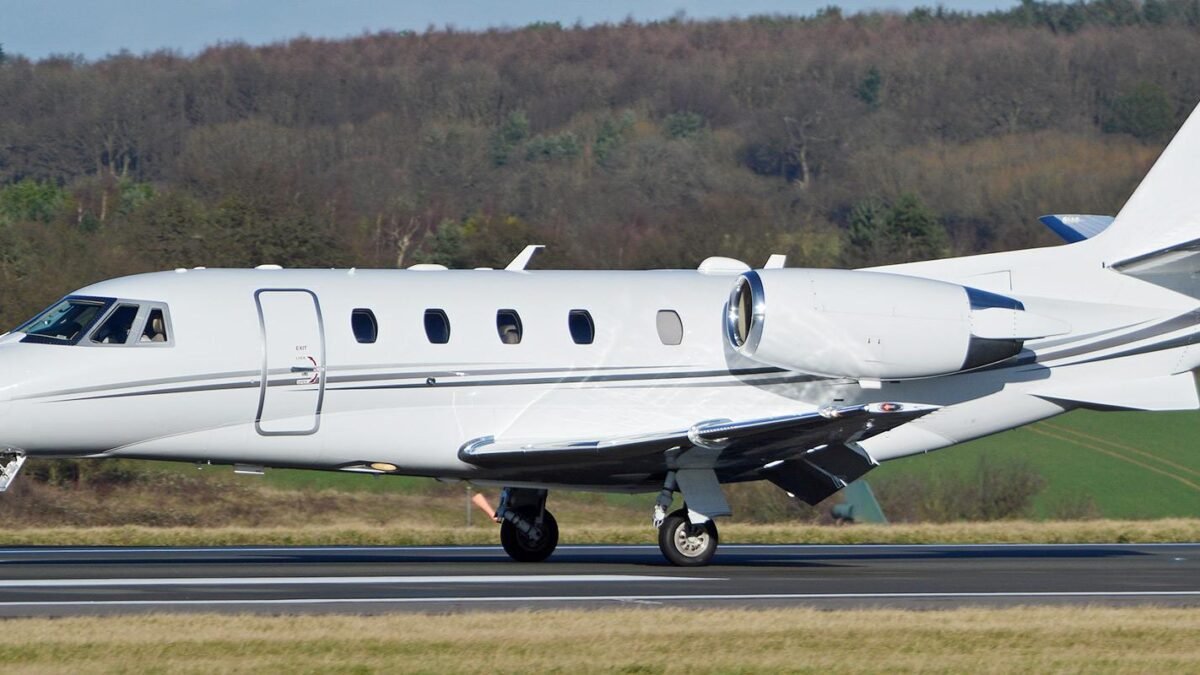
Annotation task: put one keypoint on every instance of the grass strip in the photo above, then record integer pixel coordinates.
(977, 640)
(1016, 532)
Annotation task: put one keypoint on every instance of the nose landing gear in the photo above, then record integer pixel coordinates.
(528, 532)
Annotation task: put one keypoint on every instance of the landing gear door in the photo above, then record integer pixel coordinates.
(292, 384)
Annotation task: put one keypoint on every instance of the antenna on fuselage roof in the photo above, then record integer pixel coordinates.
(518, 263)
(775, 262)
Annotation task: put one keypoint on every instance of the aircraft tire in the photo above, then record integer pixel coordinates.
(687, 545)
(517, 545)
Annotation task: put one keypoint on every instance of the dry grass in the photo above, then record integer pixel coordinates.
(626, 640)
(174, 500)
(364, 533)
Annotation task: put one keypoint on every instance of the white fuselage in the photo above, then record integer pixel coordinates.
(334, 402)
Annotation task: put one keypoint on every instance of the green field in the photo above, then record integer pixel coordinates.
(1125, 464)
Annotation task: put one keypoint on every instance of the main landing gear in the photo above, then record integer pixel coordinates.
(528, 531)
(687, 536)
(10, 466)
(683, 542)
(687, 544)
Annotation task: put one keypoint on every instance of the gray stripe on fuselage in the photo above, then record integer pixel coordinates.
(450, 371)
(563, 379)
(1169, 326)
(1072, 339)
(143, 383)
(1181, 341)
(567, 379)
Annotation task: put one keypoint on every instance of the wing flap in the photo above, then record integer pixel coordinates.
(737, 450)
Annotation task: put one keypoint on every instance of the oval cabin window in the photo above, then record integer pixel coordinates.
(583, 331)
(508, 326)
(670, 327)
(437, 326)
(366, 329)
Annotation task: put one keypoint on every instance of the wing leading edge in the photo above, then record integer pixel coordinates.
(811, 455)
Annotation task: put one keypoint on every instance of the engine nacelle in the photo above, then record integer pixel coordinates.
(874, 325)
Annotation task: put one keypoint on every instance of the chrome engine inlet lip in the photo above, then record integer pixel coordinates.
(751, 283)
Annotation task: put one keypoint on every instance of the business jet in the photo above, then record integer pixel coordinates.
(668, 382)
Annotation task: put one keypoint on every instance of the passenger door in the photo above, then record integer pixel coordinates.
(292, 384)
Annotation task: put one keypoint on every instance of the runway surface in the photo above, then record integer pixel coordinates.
(47, 581)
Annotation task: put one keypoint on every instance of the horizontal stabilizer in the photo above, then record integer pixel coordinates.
(1168, 392)
(1075, 227)
(1175, 267)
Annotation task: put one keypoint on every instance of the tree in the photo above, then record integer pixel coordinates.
(683, 124)
(31, 200)
(913, 232)
(1146, 113)
(869, 89)
(868, 218)
(904, 231)
(511, 132)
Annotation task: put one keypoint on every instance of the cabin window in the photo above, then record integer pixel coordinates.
(366, 329)
(156, 327)
(115, 329)
(583, 331)
(670, 327)
(65, 322)
(437, 326)
(508, 325)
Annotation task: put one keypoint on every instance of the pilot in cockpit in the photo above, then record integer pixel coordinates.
(156, 329)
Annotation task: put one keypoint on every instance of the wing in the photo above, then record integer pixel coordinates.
(798, 452)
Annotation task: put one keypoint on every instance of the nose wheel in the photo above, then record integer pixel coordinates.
(534, 545)
(528, 532)
(686, 544)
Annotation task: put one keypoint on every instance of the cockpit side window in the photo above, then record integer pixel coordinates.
(156, 327)
(115, 329)
(65, 322)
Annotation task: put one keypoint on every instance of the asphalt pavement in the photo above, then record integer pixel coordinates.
(53, 581)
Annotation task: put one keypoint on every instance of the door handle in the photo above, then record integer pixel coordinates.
(304, 369)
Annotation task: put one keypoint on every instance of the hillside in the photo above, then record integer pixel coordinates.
(620, 146)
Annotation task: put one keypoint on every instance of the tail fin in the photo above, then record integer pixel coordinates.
(1164, 212)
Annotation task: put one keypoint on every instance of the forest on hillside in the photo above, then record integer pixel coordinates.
(840, 140)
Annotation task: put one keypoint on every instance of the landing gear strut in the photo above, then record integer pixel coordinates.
(686, 544)
(10, 466)
(528, 531)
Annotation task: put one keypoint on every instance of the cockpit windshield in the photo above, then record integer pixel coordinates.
(65, 322)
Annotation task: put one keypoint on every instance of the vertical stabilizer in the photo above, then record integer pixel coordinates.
(1164, 211)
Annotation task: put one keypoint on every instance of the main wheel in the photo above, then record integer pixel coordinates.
(520, 547)
(685, 544)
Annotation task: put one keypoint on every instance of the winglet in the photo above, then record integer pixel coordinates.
(1076, 227)
(523, 258)
(775, 262)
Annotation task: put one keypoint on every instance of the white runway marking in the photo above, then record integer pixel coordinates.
(583, 548)
(610, 598)
(306, 581)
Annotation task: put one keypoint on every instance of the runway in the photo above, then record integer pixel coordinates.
(43, 581)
